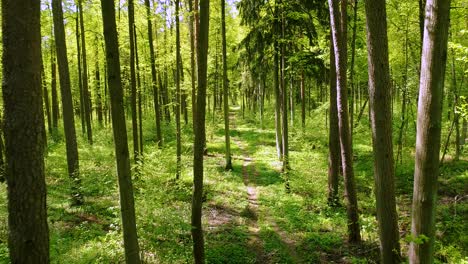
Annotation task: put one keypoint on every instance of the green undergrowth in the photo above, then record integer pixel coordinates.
(293, 222)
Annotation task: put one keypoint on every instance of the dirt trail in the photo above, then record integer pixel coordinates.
(251, 210)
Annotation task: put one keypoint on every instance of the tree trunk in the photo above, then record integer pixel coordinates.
(303, 101)
(45, 95)
(53, 88)
(86, 94)
(67, 103)
(381, 118)
(433, 61)
(28, 239)
(351, 79)
(98, 88)
(80, 80)
(133, 89)
(225, 87)
(178, 101)
(127, 203)
(278, 126)
(139, 104)
(333, 137)
(200, 136)
(157, 109)
(338, 26)
(284, 96)
(192, 57)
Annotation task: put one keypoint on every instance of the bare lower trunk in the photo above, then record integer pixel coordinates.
(200, 136)
(67, 103)
(381, 118)
(433, 61)
(338, 25)
(127, 204)
(28, 236)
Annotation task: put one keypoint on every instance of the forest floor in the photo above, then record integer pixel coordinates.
(249, 214)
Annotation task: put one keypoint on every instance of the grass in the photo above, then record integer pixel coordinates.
(293, 226)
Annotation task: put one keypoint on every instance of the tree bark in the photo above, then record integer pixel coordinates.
(338, 26)
(433, 62)
(45, 94)
(97, 77)
(127, 203)
(133, 89)
(80, 80)
(192, 57)
(53, 88)
(86, 94)
(225, 87)
(333, 137)
(200, 136)
(381, 118)
(278, 126)
(28, 238)
(284, 97)
(67, 103)
(157, 109)
(178, 101)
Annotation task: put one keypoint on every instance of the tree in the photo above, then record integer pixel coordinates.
(80, 80)
(284, 93)
(86, 94)
(333, 137)
(338, 28)
(192, 56)
(45, 95)
(433, 62)
(133, 89)
(178, 101)
(28, 239)
(127, 203)
(67, 103)
(381, 118)
(200, 136)
(53, 88)
(225, 87)
(157, 109)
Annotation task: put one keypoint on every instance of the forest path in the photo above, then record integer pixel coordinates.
(249, 174)
(253, 210)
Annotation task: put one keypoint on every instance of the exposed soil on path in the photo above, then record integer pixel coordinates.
(251, 210)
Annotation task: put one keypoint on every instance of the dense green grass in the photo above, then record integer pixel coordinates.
(295, 225)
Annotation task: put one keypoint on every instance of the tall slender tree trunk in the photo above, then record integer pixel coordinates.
(433, 61)
(338, 26)
(381, 118)
(80, 80)
(86, 93)
(97, 78)
(157, 109)
(284, 97)
(333, 137)
(139, 95)
(278, 126)
(225, 87)
(178, 101)
(351, 79)
(192, 57)
(45, 94)
(127, 204)
(53, 88)
(28, 237)
(67, 103)
(303, 101)
(133, 88)
(200, 136)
